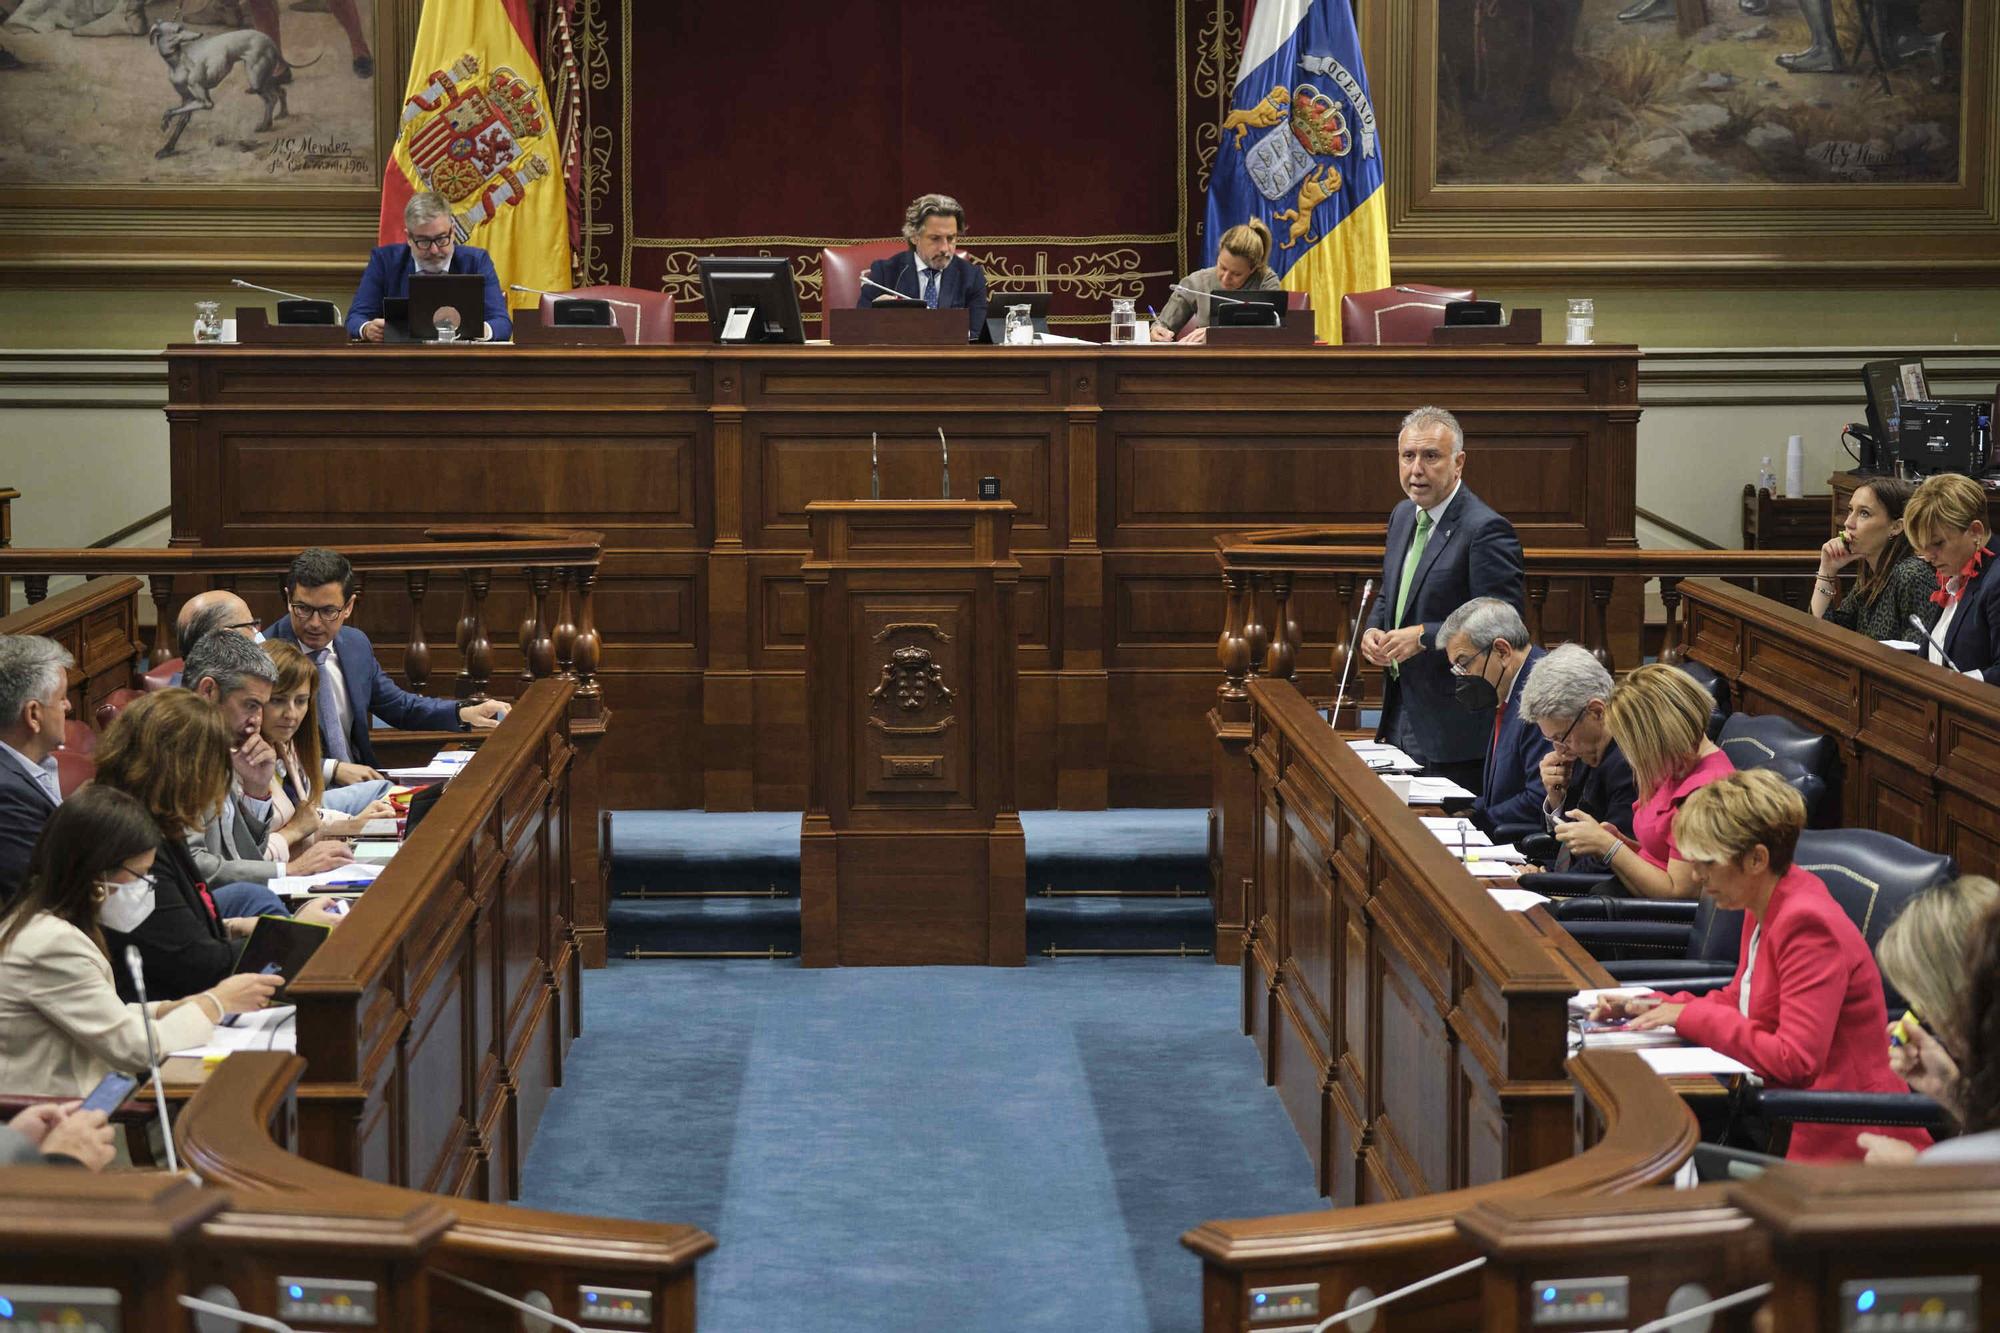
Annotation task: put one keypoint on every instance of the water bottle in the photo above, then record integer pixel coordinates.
(1124, 322)
(1020, 326)
(1767, 478)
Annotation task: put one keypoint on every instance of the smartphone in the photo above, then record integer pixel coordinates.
(110, 1093)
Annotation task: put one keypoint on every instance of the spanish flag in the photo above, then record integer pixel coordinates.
(1300, 150)
(476, 128)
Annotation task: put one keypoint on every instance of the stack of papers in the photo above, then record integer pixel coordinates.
(444, 764)
(382, 828)
(1384, 758)
(1429, 791)
(270, 1029)
(1517, 900)
(375, 853)
(1585, 1001)
(1480, 869)
(1453, 829)
(1617, 1037)
(356, 876)
(1668, 1061)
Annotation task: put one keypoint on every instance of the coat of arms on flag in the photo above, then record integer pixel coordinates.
(1308, 135)
(470, 138)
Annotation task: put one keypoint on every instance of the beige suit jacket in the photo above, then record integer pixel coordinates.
(62, 1026)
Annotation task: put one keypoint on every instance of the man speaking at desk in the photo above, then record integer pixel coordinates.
(431, 246)
(931, 270)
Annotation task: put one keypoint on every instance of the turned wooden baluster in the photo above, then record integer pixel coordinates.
(36, 586)
(538, 650)
(1672, 650)
(1232, 649)
(1538, 597)
(475, 667)
(417, 652)
(1282, 658)
(589, 647)
(1255, 633)
(166, 642)
(1599, 592)
(564, 633)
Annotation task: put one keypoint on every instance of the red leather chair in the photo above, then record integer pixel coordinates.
(78, 737)
(841, 267)
(73, 769)
(1298, 300)
(1402, 314)
(160, 677)
(642, 316)
(114, 704)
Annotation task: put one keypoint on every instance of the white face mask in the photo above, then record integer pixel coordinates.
(126, 905)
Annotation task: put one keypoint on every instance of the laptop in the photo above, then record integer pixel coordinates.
(997, 304)
(414, 318)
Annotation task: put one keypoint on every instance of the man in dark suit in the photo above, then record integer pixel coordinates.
(319, 588)
(432, 247)
(34, 702)
(1583, 769)
(1444, 548)
(1486, 643)
(931, 270)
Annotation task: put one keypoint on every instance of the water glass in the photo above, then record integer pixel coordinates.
(1124, 323)
(445, 321)
(1020, 326)
(208, 321)
(1582, 317)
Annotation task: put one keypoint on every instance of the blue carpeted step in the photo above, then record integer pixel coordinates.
(1120, 924)
(682, 850)
(703, 925)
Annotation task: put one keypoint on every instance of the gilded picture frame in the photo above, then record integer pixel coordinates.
(120, 231)
(1726, 215)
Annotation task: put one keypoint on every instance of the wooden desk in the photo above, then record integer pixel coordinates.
(697, 463)
(98, 622)
(1920, 745)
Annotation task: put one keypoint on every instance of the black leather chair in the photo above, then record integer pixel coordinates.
(1763, 740)
(1718, 690)
(1872, 876)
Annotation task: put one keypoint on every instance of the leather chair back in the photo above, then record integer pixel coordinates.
(78, 737)
(1718, 690)
(1298, 300)
(160, 677)
(112, 705)
(73, 769)
(1717, 935)
(841, 267)
(1765, 740)
(1401, 314)
(643, 317)
(1872, 876)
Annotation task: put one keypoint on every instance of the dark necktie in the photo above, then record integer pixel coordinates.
(330, 729)
(931, 288)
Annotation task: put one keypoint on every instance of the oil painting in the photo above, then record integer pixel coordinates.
(187, 92)
(1699, 92)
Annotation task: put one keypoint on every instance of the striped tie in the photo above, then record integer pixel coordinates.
(330, 729)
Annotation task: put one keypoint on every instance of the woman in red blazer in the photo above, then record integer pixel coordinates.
(1804, 1009)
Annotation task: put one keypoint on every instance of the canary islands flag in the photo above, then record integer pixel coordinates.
(476, 129)
(1300, 150)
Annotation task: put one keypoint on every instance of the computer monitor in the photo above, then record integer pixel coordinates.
(1255, 310)
(1889, 385)
(759, 285)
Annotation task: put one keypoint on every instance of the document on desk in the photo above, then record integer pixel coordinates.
(1480, 869)
(1669, 1061)
(270, 1029)
(382, 828)
(1456, 832)
(430, 772)
(358, 875)
(1586, 1000)
(1385, 758)
(376, 853)
(1517, 900)
(1425, 791)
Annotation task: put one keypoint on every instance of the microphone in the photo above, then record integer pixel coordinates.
(1694, 1312)
(1213, 296)
(505, 1299)
(1353, 647)
(945, 449)
(536, 291)
(1342, 1316)
(1931, 639)
(874, 470)
(338, 314)
(137, 968)
(900, 296)
(234, 1316)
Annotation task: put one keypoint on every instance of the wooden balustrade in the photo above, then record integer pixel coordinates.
(7, 497)
(556, 572)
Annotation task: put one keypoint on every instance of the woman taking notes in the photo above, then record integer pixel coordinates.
(1239, 267)
(1892, 581)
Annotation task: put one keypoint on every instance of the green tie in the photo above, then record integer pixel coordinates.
(1410, 559)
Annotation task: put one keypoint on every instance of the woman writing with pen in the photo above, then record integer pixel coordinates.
(1239, 267)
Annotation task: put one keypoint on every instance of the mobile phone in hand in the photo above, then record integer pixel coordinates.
(110, 1093)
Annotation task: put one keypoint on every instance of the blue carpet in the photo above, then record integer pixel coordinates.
(923, 1148)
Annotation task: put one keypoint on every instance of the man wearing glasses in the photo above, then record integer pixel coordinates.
(319, 588)
(1583, 769)
(1486, 643)
(432, 248)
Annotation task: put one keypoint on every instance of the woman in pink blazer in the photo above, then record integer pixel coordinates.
(1804, 1009)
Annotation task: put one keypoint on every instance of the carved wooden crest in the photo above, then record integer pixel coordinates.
(912, 686)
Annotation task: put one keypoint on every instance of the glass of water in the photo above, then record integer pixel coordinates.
(1582, 318)
(1020, 326)
(445, 321)
(1124, 322)
(208, 321)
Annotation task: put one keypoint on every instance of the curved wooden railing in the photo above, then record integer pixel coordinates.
(556, 570)
(1647, 1133)
(224, 1134)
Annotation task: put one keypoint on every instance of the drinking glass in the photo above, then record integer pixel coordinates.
(1020, 326)
(1582, 317)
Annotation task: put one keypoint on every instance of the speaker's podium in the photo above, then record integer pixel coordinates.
(911, 849)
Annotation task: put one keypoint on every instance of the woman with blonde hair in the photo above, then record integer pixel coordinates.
(1240, 266)
(1658, 716)
(1946, 523)
(1804, 1009)
(298, 794)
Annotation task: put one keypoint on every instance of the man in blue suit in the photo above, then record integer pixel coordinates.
(1487, 646)
(432, 247)
(319, 588)
(34, 702)
(1445, 547)
(931, 270)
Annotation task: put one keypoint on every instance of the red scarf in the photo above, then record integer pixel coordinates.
(1965, 576)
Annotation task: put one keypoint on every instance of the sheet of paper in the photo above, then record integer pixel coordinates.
(272, 1029)
(1586, 1000)
(1438, 789)
(382, 828)
(296, 886)
(1503, 851)
(1442, 824)
(1491, 869)
(1386, 758)
(1517, 900)
(1464, 836)
(452, 758)
(428, 773)
(1671, 1060)
(376, 853)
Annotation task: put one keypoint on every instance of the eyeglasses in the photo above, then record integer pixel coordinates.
(432, 243)
(252, 623)
(300, 611)
(1562, 742)
(1462, 666)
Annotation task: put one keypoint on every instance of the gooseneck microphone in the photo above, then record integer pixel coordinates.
(891, 291)
(1213, 296)
(1931, 639)
(338, 314)
(1353, 647)
(137, 968)
(242, 1317)
(945, 450)
(504, 1299)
